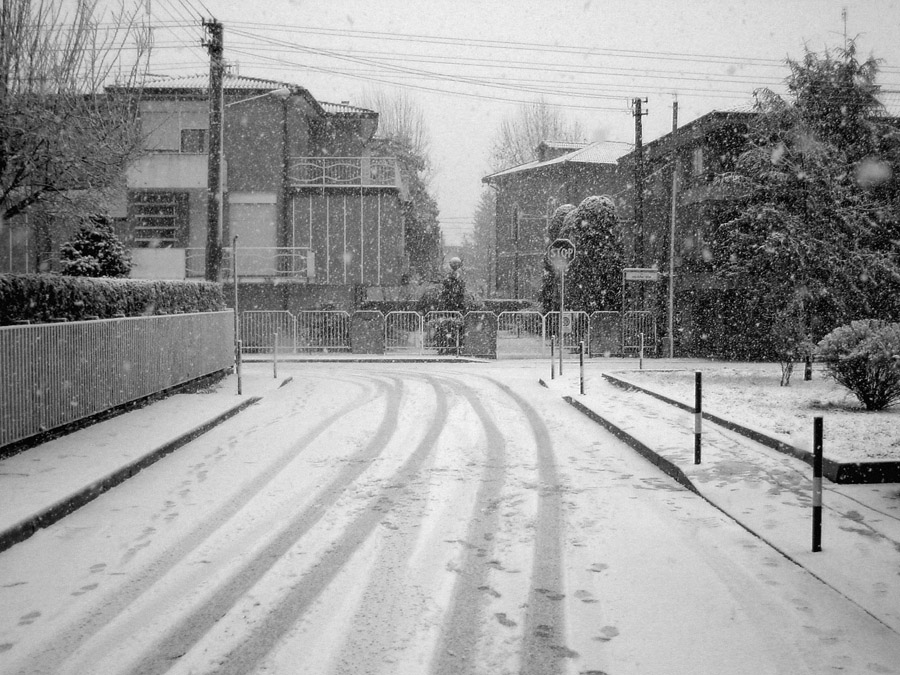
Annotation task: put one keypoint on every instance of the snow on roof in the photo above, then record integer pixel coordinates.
(345, 109)
(232, 83)
(601, 152)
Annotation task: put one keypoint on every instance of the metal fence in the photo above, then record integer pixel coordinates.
(325, 331)
(55, 374)
(634, 326)
(524, 334)
(521, 335)
(258, 330)
(576, 328)
(442, 332)
(403, 332)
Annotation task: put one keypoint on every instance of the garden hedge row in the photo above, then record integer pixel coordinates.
(49, 298)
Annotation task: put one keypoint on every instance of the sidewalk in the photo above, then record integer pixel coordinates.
(42, 484)
(767, 492)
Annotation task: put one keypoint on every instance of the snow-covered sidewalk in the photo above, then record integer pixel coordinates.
(40, 485)
(767, 492)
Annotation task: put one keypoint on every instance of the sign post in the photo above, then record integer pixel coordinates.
(560, 254)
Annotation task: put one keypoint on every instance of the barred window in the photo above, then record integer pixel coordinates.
(194, 140)
(158, 218)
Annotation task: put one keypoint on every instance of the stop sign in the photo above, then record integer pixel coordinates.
(560, 253)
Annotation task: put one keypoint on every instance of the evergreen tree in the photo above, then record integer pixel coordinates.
(549, 276)
(594, 278)
(95, 251)
(813, 238)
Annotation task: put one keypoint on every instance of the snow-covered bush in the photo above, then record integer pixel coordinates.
(95, 251)
(864, 356)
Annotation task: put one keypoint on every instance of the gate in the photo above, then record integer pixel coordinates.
(327, 331)
(520, 335)
(575, 329)
(403, 332)
(633, 325)
(442, 332)
(258, 330)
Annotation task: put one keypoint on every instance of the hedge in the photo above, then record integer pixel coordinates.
(50, 298)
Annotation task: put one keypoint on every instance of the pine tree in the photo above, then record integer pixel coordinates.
(95, 251)
(810, 237)
(593, 280)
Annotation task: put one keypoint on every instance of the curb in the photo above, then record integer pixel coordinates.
(25, 528)
(847, 473)
(680, 477)
(645, 451)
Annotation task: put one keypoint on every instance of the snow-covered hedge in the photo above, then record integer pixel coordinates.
(47, 298)
(864, 356)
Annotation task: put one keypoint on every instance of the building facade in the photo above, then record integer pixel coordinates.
(303, 201)
(527, 196)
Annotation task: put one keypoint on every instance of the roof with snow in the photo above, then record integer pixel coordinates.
(601, 152)
(198, 85)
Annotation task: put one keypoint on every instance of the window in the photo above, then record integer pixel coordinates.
(697, 163)
(194, 140)
(158, 218)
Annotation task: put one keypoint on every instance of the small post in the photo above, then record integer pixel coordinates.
(698, 415)
(552, 357)
(581, 365)
(641, 360)
(807, 368)
(237, 363)
(275, 357)
(817, 485)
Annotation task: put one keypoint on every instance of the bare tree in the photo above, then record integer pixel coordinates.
(400, 118)
(403, 133)
(520, 134)
(63, 139)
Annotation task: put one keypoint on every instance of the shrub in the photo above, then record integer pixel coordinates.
(45, 298)
(95, 251)
(864, 356)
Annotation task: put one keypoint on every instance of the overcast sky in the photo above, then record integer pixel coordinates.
(469, 63)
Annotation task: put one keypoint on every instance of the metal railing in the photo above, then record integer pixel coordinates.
(635, 325)
(296, 262)
(326, 331)
(403, 332)
(343, 172)
(524, 334)
(258, 330)
(521, 334)
(58, 373)
(442, 332)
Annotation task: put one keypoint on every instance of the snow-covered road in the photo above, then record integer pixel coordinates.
(389, 518)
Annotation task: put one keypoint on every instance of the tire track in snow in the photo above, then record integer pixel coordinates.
(543, 647)
(460, 629)
(279, 621)
(52, 656)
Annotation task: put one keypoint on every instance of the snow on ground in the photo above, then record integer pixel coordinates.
(410, 519)
(750, 394)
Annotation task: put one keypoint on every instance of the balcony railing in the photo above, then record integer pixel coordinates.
(379, 172)
(282, 261)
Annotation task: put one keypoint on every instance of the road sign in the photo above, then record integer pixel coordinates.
(561, 253)
(641, 274)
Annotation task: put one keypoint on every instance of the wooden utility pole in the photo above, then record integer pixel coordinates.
(215, 47)
(675, 168)
(638, 182)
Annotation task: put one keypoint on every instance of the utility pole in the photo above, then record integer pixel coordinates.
(638, 181)
(214, 192)
(675, 168)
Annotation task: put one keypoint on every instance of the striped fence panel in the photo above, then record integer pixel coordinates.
(55, 374)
